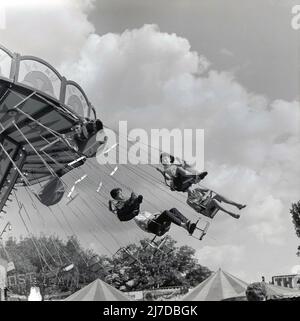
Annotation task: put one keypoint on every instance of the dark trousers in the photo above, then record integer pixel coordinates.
(182, 183)
(165, 219)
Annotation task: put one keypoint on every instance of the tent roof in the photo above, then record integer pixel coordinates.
(274, 291)
(219, 286)
(97, 291)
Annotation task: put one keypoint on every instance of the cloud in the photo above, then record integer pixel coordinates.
(54, 30)
(226, 52)
(225, 256)
(154, 80)
(295, 269)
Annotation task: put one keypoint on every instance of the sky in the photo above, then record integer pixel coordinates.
(231, 70)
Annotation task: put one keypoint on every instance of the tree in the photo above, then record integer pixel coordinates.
(295, 211)
(141, 268)
(46, 257)
(154, 270)
(197, 274)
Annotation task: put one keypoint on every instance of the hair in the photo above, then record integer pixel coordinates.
(172, 158)
(256, 291)
(99, 125)
(114, 192)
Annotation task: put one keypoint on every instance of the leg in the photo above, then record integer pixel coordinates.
(224, 210)
(184, 181)
(178, 215)
(184, 222)
(168, 216)
(159, 224)
(174, 216)
(221, 198)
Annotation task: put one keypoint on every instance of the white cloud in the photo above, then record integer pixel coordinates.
(52, 32)
(154, 80)
(295, 269)
(226, 52)
(224, 256)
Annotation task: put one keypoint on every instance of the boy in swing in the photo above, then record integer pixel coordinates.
(158, 223)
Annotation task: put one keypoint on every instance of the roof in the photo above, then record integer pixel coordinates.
(275, 291)
(219, 286)
(97, 291)
(37, 74)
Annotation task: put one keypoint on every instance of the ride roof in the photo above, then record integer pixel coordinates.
(37, 104)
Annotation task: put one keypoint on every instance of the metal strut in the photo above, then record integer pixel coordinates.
(11, 175)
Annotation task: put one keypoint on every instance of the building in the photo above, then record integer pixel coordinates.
(288, 281)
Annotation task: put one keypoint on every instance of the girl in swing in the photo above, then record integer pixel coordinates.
(207, 202)
(183, 176)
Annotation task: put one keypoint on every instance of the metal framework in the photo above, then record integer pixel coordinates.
(200, 232)
(159, 245)
(43, 123)
(127, 255)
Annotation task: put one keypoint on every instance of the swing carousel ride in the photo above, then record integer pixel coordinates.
(48, 128)
(47, 124)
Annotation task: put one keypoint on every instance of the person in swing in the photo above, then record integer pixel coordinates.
(208, 203)
(127, 209)
(182, 175)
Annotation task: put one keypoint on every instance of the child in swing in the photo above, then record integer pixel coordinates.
(158, 223)
(201, 198)
(181, 175)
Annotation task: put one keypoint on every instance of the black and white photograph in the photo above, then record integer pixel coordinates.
(149, 151)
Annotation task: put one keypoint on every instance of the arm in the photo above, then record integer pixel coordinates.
(125, 216)
(111, 207)
(202, 189)
(184, 164)
(161, 171)
(183, 172)
(165, 175)
(128, 213)
(130, 209)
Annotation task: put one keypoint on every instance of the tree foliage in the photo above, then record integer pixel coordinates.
(295, 211)
(143, 269)
(171, 266)
(45, 257)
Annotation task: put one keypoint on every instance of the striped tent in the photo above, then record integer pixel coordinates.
(275, 291)
(219, 286)
(97, 291)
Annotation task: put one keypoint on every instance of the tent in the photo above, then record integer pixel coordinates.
(97, 291)
(275, 291)
(219, 286)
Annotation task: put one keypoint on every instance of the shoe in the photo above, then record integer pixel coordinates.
(237, 216)
(241, 207)
(191, 227)
(202, 175)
